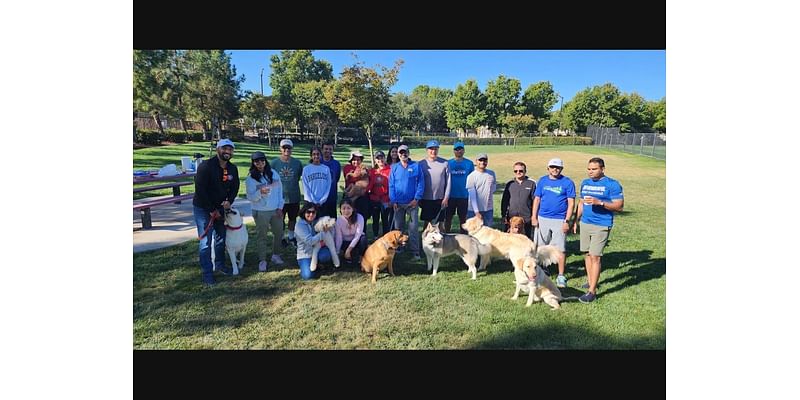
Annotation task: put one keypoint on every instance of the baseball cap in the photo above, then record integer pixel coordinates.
(432, 143)
(258, 155)
(402, 147)
(457, 145)
(355, 154)
(481, 155)
(225, 142)
(287, 142)
(555, 162)
(379, 154)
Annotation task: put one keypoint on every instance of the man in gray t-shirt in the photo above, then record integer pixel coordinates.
(481, 185)
(436, 172)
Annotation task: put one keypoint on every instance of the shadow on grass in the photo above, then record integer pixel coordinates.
(621, 269)
(565, 335)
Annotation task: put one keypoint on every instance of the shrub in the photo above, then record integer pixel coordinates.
(420, 141)
(175, 135)
(148, 136)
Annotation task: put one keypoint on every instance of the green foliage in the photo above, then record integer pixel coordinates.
(420, 141)
(289, 68)
(502, 99)
(312, 104)
(659, 112)
(148, 136)
(520, 124)
(430, 102)
(539, 99)
(361, 95)
(212, 86)
(466, 108)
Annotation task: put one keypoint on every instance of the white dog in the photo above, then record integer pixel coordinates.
(327, 237)
(531, 278)
(235, 238)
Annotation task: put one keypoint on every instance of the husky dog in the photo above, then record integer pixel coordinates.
(437, 245)
(327, 237)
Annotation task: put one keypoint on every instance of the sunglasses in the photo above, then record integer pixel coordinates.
(311, 211)
(260, 160)
(459, 149)
(483, 160)
(286, 147)
(403, 152)
(519, 171)
(554, 167)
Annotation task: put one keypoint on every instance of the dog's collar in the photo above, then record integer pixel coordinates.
(386, 245)
(233, 229)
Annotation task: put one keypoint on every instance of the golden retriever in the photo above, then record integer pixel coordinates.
(531, 278)
(380, 254)
(516, 225)
(512, 246)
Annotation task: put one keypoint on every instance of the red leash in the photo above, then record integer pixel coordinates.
(214, 216)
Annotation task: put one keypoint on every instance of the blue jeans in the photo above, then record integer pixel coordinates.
(306, 273)
(413, 230)
(488, 217)
(217, 233)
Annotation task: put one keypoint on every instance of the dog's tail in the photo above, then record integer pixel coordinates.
(546, 255)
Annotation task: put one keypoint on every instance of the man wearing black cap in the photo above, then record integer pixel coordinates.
(215, 187)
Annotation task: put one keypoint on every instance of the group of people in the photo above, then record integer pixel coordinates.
(396, 193)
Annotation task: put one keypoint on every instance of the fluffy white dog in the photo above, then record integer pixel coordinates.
(327, 237)
(235, 238)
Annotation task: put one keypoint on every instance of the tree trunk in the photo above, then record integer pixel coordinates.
(369, 141)
(158, 123)
(183, 124)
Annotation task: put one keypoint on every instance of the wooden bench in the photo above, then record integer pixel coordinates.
(176, 188)
(144, 207)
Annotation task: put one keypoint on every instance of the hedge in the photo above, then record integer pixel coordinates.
(421, 141)
(153, 136)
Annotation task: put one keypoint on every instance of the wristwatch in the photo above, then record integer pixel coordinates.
(566, 221)
(602, 204)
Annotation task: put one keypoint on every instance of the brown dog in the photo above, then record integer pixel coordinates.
(516, 225)
(380, 254)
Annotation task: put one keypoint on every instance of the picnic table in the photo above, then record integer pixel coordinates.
(173, 181)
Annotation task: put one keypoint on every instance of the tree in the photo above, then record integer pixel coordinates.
(405, 114)
(598, 105)
(539, 99)
(429, 101)
(502, 99)
(658, 110)
(213, 89)
(309, 97)
(638, 114)
(361, 96)
(519, 124)
(290, 68)
(466, 108)
(158, 85)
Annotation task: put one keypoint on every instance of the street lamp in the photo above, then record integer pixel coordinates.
(560, 112)
(262, 81)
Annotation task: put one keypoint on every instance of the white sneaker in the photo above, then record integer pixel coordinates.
(276, 259)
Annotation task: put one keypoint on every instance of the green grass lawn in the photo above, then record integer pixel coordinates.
(343, 310)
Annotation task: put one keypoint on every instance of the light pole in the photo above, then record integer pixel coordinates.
(262, 81)
(560, 112)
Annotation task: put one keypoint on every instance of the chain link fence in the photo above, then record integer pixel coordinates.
(648, 144)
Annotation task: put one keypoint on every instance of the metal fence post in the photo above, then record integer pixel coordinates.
(653, 151)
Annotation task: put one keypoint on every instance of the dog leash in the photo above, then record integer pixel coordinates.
(214, 216)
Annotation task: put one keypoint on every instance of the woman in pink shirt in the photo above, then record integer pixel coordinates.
(349, 233)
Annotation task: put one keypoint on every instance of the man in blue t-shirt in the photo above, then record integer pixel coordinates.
(601, 197)
(553, 202)
(460, 167)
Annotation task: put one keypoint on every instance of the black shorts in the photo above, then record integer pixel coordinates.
(457, 206)
(430, 209)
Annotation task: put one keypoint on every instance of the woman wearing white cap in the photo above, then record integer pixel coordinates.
(356, 180)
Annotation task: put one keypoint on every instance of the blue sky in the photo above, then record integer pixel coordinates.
(640, 71)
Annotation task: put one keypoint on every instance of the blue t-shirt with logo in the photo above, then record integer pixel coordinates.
(604, 189)
(553, 195)
(458, 177)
